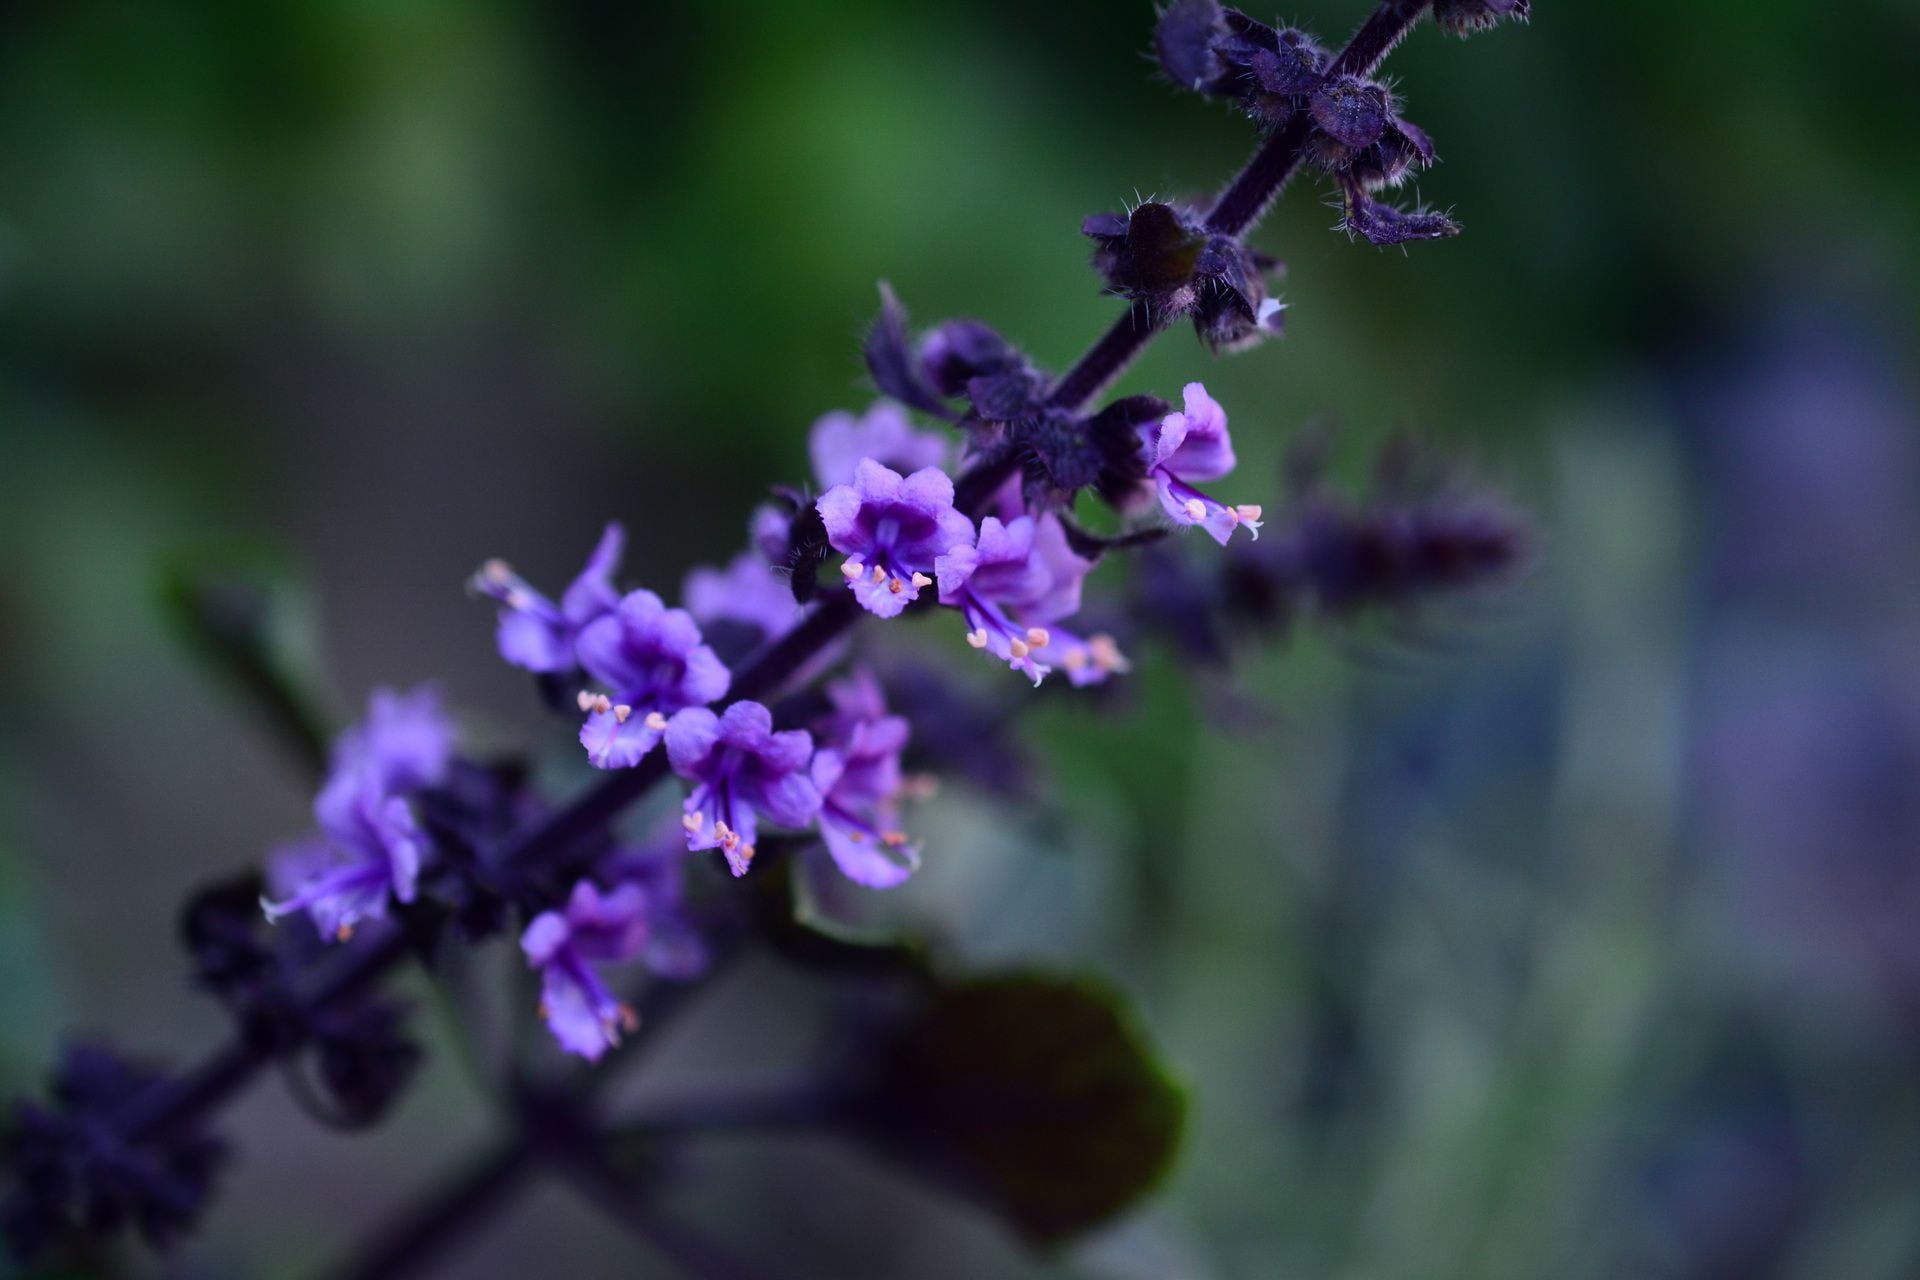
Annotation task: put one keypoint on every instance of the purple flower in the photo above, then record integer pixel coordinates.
(1013, 586)
(770, 532)
(652, 660)
(748, 590)
(673, 947)
(839, 441)
(538, 634)
(740, 769)
(406, 740)
(369, 849)
(857, 771)
(892, 530)
(1185, 447)
(584, 1016)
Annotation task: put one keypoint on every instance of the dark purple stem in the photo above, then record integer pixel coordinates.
(423, 1231)
(1239, 207)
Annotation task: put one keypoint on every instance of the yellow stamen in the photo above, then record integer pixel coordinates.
(656, 722)
(693, 821)
(621, 711)
(852, 570)
(921, 580)
(1039, 637)
(1196, 508)
(1106, 654)
(977, 638)
(1018, 648)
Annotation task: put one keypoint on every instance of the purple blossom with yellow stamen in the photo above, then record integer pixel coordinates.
(1013, 586)
(653, 661)
(534, 632)
(839, 441)
(857, 772)
(741, 768)
(369, 847)
(565, 946)
(369, 851)
(406, 739)
(748, 590)
(1188, 446)
(892, 531)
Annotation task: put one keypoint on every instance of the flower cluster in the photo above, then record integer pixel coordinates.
(648, 676)
(77, 1169)
(369, 848)
(978, 513)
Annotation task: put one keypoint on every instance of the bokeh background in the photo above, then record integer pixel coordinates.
(1576, 933)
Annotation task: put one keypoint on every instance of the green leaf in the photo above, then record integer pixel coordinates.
(1037, 1096)
(793, 925)
(236, 608)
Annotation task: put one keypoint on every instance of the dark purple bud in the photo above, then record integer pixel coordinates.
(895, 365)
(1114, 432)
(1184, 42)
(1464, 17)
(960, 350)
(1163, 257)
(364, 1058)
(1004, 396)
(1059, 458)
(1292, 67)
(1382, 224)
(1351, 111)
(1403, 148)
(220, 926)
(1150, 252)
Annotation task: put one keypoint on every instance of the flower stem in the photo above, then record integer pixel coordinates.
(427, 1229)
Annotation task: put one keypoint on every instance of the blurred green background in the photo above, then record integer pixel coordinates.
(1575, 935)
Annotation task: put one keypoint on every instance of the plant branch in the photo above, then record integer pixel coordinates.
(1239, 207)
(227, 1069)
(426, 1230)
